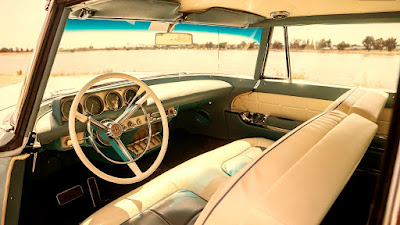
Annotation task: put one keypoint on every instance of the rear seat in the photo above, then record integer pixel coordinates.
(204, 174)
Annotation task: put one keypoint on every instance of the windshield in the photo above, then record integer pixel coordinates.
(92, 47)
(17, 42)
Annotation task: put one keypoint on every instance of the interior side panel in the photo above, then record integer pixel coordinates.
(284, 106)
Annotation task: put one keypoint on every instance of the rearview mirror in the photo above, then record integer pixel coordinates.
(174, 39)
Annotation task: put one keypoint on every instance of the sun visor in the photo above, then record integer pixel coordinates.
(129, 9)
(224, 17)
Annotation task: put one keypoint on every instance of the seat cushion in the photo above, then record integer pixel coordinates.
(231, 166)
(201, 175)
(180, 208)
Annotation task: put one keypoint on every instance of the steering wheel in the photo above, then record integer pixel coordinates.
(113, 129)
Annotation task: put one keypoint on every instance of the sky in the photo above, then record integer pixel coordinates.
(21, 28)
(21, 22)
(104, 33)
(78, 39)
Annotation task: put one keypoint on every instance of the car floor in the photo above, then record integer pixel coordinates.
(58, 171)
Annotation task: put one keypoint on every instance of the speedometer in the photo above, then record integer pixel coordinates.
(66, 106)
(94, 105)
(114, 101)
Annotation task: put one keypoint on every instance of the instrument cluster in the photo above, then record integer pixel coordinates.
(96, 103)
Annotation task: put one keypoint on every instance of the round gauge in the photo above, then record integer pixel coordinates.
(94, 105)
(129, 95)
(66, 106)
(114, 101)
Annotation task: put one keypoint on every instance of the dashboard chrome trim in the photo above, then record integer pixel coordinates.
(102, 94)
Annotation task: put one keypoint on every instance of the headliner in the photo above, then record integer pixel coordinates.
(294, 7)
(240, 13)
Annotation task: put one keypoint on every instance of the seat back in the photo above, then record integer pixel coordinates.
(297, 180)
(365, 102)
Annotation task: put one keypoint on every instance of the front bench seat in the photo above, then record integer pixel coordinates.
(201, 175)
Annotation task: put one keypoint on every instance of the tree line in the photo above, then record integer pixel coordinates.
(379, 44)
(208, 45)
(15, 49)
(369, 43)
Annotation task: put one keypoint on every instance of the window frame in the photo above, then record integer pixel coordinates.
(287, 56)
(289, 77)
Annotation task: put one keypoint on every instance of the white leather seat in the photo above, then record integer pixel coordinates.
(297, 179)
(292, 168)
(202, 175)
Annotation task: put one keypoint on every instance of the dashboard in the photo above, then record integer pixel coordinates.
(109, 101)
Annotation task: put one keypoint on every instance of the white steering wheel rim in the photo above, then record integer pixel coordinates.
(81, 154)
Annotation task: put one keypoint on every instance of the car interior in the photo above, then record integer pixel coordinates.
(207, 148)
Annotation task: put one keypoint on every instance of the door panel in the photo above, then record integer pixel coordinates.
(283, 106)
(298, 102)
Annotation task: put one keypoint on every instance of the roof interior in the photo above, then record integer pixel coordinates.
(239, 13)
(294, 7)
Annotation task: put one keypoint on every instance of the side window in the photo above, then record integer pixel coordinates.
(275, 66)
(366, 55)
